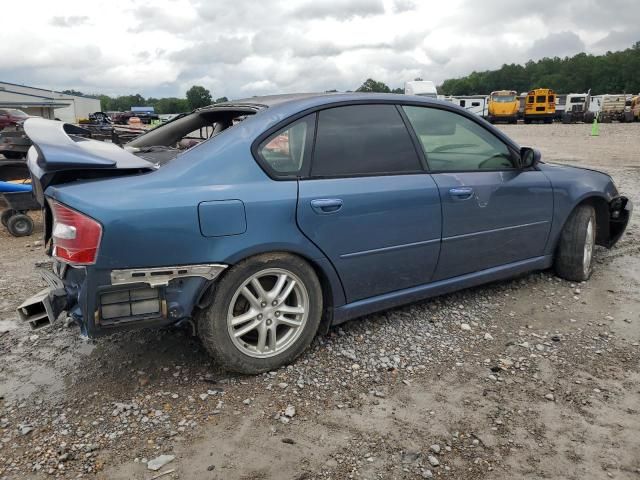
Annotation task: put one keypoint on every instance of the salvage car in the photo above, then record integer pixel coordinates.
(265, 221)
(11, 116)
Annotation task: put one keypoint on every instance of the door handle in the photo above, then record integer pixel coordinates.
(324, 206)
(461, 193)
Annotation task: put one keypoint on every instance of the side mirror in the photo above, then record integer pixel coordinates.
(529, 157)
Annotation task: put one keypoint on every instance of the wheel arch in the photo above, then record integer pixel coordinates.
(330, 283)
(601, 207)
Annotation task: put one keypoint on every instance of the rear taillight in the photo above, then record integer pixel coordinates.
(76, 237)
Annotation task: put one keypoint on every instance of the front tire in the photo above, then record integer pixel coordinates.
(265, 313)
(574, 257)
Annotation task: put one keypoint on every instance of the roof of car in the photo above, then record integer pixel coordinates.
(317, 98)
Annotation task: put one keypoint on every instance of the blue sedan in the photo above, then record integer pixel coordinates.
(265, 221)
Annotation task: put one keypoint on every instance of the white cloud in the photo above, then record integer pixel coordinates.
(243, 48)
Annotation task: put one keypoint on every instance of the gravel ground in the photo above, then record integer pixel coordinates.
(530, 378)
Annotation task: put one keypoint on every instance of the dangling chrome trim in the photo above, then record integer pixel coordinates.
(161, 276)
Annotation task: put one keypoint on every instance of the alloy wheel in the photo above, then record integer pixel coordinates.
(268, 312)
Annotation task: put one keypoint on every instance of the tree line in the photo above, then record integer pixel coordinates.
(196, 97)
(613, 72)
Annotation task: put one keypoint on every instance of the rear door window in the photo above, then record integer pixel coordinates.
(359, 140)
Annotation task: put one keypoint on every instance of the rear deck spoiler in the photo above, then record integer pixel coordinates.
(60, 155)
(60, 148)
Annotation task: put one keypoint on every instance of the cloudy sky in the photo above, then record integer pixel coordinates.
(241, 48)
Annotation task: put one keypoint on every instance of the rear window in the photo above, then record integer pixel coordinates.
(530, 99)
(541, 98)
(362, 140)
(286, 150)
(551, 98)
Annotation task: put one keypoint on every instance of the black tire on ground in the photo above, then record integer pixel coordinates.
(570, 254)
(566, 118)
(213, 328)
(20, 225)
(6, 215)
(589, 117)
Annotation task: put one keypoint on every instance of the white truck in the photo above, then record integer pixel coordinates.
(422, 88)
(577, 108)
(615, 107)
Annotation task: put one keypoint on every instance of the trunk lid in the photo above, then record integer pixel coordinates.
(61, 155)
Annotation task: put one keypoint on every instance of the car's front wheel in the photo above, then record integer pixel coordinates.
(265, 312)
(574, 257)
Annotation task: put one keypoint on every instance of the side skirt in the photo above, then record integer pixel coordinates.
(421, 292)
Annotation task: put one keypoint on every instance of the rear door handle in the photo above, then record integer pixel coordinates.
(325, 206)
(461, 193)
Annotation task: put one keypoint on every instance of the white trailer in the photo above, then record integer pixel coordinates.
(478, 104)
(422, 88)
(615, 107)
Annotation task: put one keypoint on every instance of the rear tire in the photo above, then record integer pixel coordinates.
(574, 256)
(20, 225)
(276, 300)
(589, 117)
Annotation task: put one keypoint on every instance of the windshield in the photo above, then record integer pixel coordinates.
(578, 100)
(503, 98)
(17, 113)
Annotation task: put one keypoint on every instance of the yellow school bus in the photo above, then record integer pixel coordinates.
(540, 106)
(503, 106)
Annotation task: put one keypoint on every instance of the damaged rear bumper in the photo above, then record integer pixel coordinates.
(104, 301)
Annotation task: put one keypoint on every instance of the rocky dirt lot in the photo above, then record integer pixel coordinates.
(531, 378)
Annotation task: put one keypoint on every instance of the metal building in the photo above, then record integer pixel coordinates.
(47, 103)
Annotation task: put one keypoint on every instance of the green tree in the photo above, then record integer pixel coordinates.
(73, 92)
(198, 96)
(371, 85)
(171, 105)
(613, 72)
(221, 100)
